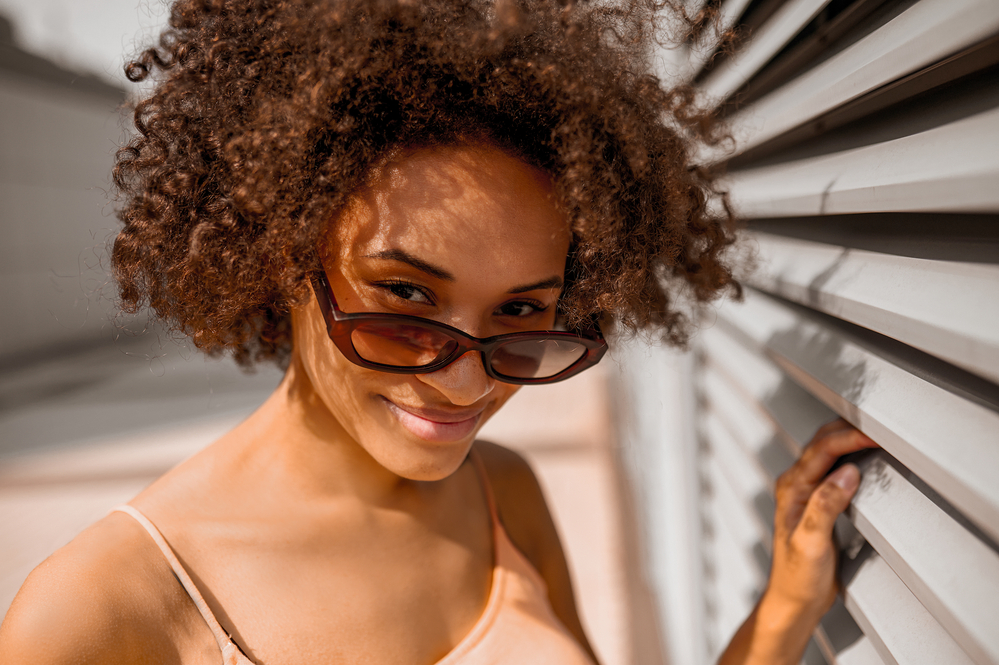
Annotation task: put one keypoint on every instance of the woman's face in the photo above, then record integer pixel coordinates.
(464, 235)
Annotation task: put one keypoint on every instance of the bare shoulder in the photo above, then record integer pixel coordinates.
(103, 598)
(524, 512)
(520, 501)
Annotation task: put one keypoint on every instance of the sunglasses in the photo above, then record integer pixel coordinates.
(404, 344)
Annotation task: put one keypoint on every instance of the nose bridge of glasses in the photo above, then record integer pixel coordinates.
(465, 345)
(469, 324)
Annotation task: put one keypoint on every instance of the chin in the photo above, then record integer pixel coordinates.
(415, 448)
(429, 462)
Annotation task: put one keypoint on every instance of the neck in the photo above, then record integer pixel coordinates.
(295, 442)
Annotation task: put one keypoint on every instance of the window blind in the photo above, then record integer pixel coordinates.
(865, 165)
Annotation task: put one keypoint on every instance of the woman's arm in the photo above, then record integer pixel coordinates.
(802, 584)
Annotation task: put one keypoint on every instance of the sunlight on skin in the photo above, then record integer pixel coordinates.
(480, 224)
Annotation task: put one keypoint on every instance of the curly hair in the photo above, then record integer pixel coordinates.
(268, 115)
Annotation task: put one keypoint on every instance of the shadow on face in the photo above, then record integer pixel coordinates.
(465, 235)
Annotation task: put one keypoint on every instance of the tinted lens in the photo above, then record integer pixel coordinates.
(536, 359)
(400, 344)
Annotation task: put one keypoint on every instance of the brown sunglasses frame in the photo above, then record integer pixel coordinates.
(340, 325)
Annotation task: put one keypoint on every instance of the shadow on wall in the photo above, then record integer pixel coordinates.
(820, 353)
(800, 414)
(58, 133)
(814, 355)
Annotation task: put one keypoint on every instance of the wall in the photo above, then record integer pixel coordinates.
(866, 163)
(58, 133)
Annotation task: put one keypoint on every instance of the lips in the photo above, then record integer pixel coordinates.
(436, 425)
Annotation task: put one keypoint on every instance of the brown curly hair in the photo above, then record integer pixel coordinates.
(267, 115)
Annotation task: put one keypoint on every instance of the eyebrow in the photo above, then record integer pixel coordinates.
(553, 282)
(405, 257)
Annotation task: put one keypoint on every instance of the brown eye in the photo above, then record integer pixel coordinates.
(408, 292)
(521, 308)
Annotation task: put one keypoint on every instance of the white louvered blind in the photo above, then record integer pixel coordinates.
(866, 166)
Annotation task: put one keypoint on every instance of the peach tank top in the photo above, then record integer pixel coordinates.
(518, 626)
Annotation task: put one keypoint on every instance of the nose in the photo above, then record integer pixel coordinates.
(463, 382)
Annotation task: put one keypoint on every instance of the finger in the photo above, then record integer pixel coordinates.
(813, 533)
(831, 427)
(796, 486)
(822, 453)
(797, 483)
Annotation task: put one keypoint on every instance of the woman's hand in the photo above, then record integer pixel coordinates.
(802, 583)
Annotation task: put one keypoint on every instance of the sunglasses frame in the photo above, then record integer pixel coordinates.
(340, 325)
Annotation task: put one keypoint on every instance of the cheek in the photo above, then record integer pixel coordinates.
(336, 381)
(312, 344)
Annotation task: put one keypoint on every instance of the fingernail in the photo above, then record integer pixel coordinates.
(847, 477)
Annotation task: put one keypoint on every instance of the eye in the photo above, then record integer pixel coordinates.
(521, 308)
(408, 292)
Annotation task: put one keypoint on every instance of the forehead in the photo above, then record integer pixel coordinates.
(474, 210)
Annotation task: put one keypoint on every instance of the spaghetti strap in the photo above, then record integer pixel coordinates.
(226, 645)
(480, 467)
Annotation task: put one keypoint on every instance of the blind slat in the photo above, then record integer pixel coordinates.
(899, 627)
(748, 427)
(700, 54)
(932, 305)
(734, 518)
(771, 38)
(953, 167)
(861, 652)
(947, 440)
(779, 398)
(731, 576)
(731, 459)
(925, 33)
(952, 573)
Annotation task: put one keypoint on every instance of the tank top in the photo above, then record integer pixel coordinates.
(517, 627)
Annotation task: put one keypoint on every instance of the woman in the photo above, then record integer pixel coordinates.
(397, 201)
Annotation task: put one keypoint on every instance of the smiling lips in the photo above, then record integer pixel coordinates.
(434, 425)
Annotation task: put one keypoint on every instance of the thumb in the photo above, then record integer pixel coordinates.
(827, 501)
